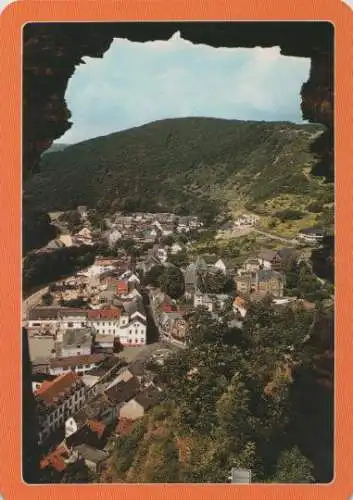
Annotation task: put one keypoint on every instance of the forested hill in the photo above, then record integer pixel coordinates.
(180, 164)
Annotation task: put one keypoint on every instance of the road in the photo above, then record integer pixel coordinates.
(279, 238)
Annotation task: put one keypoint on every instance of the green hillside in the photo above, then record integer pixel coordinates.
(183, 165)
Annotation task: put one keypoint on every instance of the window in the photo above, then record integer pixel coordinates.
(130, 341)
(82, 324)
(70, 324)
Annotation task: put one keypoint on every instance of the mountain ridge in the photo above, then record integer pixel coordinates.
(183, 165)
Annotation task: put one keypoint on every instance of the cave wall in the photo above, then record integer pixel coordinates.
(51, 51)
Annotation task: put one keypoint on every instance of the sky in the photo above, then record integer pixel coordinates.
(137, 83)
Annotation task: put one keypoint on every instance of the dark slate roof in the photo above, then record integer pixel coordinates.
(287, 253)
(85, 435)
(91, 454)
(267, 255)
(43, 313)
(149, 397)
(135, 306)
(265, 275)
(123, 391)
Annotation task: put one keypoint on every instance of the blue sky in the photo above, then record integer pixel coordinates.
(138, 83)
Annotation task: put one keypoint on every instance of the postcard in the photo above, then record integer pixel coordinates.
(176, 243)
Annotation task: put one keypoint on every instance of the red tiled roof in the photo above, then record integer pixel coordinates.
(104, 313)
(55, 460)
(97, 427)
(122, 286)
(50, 390)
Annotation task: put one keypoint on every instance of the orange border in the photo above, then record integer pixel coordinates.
(12, 19)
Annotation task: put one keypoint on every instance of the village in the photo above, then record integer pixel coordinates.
(92, 336)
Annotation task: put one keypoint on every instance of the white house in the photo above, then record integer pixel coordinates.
(175, 248)
(104, 321)
(311, 235)
(113, 237)
(204, 300)
(105, 342)
(72, 318)
(43, 319)
(56, 400)
(221, 266)
(132, 332)
(77, 364)
(162, 255)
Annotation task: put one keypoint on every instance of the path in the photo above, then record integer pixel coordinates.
(274, 237)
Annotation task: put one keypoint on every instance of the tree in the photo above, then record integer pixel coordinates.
(203, 328)
(179, 259)
(213, 282)
(293, 467)
(167, 240)
(153, 276)
(73, 220)
(118, 346)
(172, 282)
(233, 411)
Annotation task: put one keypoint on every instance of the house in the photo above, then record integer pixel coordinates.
(122, 288)
(113, 237)
(97, 409)
(100, 267)
(221, 266)
(59, 459)
(172, 324)
(82, 210)
(136, 408)
(243, 283)
(178, 329)
(39, 378)
(76, 342)
(268, 259)
(55, 400)
(92, 433)
(43, 319)
(104, 321)
(251, 265)
(72, 318)
(192, 274)
(133, 323)
(55, 244)
(93, 458)
(84, 236)
(175, 248)
(123, 391)
(204, 300)
(104, 342)
(239, 306)
(67, 240)
(245, 221)
(311, 235)
(270, 282)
